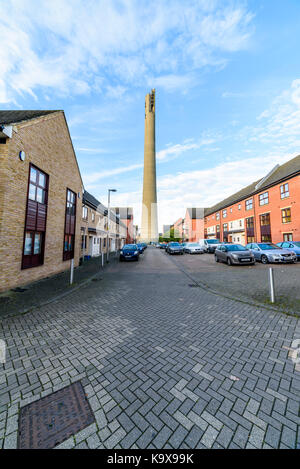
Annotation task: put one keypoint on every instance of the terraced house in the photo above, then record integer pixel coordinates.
(266, 210)
(40, 197)
(95, 236)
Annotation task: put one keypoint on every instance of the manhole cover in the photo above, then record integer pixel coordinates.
(49, 421)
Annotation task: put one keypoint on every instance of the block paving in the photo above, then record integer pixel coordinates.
(163, 365)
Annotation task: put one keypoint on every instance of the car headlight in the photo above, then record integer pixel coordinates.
(121, 252)
(235, 256)
(276, 256)
(136, 252)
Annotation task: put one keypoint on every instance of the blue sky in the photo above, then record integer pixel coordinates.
(226, 75)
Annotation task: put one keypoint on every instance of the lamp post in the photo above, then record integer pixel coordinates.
(108, 221)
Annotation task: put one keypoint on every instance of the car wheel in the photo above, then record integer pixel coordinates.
(216, 259)
(264, 259)
(229, 261)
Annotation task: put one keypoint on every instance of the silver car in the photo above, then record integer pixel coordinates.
(269, 252)
(174, 248)
(234, 254)
(193, 248)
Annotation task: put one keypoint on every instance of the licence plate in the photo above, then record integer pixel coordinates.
(245, 260)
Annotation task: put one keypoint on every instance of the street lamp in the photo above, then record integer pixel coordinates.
(108, 220)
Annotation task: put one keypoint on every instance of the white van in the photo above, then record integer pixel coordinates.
(209, 245)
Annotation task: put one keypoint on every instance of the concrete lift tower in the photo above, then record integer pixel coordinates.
(149, 228)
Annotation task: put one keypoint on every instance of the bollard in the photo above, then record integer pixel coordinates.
(102, 259)
(72, 271)
(272, 289)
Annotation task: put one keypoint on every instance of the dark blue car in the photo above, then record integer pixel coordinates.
(129, 252)
(141, 248)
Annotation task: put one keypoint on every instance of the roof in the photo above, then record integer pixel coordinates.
(13, 117)
(288, 169)
(95, 204)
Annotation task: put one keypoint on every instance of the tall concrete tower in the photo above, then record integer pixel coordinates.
(149, 229)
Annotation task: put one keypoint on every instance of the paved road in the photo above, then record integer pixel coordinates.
(164, 364)
(246, 282)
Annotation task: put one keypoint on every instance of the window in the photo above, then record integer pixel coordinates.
(250, 222)
(83, 241)
(36, 215)
(265, 227)
(225, 213)
(239, 206)
(284, 191)
(265, 219)
(218, 216)
(84, 213)
(264, 198)
(225, 226)
(286, 215)
(287, 236)
(230, 209)
(93, 216)
(70, 222)
(250, 239)
(249, 204)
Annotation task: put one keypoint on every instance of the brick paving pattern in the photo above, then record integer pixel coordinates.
(164, 365)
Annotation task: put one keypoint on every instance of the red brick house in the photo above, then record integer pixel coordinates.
(193, 227)
(266, 210)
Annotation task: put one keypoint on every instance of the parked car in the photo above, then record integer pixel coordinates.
(144, 245)
(140, 248)
(174, 248)
(193, 248)
(234, 254)
(269, 252)
(209, 245)
(129, 252)
(163, 246)
(291, 246)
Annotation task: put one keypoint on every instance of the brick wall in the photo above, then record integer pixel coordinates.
(276, 204)
(47, 145)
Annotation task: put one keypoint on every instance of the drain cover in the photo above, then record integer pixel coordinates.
(49, 421)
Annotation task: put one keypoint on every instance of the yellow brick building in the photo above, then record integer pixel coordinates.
(40, 197)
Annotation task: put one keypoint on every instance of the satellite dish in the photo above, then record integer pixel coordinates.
(22, 155)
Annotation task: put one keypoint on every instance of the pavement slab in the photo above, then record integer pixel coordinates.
(163, 365)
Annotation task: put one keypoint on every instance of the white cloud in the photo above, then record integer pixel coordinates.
(173, 151)
(280, 123)
(78, 47)
(95, 176)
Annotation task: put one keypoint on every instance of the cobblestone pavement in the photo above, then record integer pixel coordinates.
(164, 365)
(246, 282)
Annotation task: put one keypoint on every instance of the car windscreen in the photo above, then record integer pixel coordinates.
(297, 244)
(266, 247)
(196, 245)
(174, 244)
(212, 241)
(130, 247)
(236, 247)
